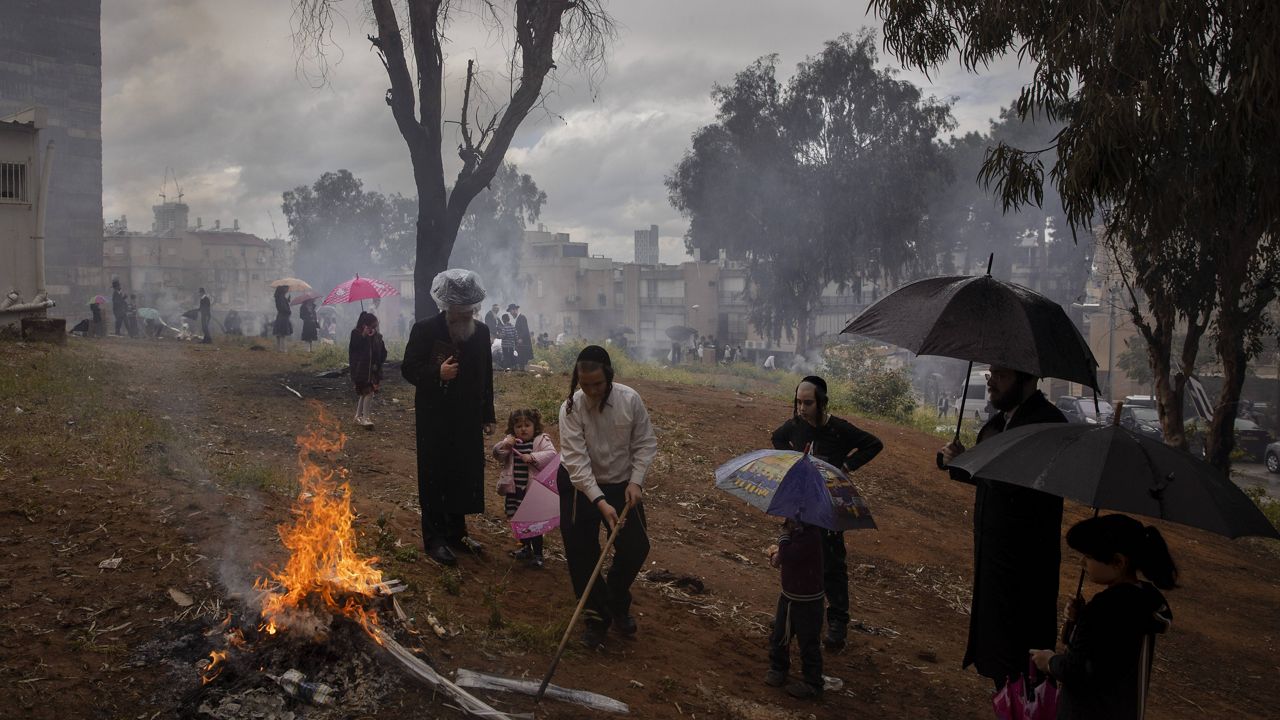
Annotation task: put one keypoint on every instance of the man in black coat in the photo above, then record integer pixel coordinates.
(1016, 544)
(491, 321)
(448, 360)
(119, 305)
(837, 442)
(524, 341)
(206, 314)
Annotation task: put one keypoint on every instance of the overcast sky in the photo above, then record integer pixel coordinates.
(215, 90)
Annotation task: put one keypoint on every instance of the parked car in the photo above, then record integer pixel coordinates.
(1080, 409)
(1272, 458)
(1145, 401)
(1251, 439)
(1142, 420)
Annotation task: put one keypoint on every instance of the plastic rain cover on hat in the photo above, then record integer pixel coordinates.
(457, 287)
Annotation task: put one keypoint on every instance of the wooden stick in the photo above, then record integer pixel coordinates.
(581, 604)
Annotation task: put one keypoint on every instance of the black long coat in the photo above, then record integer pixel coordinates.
(1016, 553)
(451, 415)
(524, 341)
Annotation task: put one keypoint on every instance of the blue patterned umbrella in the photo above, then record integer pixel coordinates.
(780, 482)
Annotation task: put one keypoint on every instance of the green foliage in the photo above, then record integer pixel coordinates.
(863, 379)
(780, 180)
(338, 227)
(1267, 504)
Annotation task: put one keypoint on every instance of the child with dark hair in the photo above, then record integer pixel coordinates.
(1106, 669)
(798, 555)
(524, 451)
(366, 353)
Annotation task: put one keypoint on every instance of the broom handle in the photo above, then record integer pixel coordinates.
(546, 680)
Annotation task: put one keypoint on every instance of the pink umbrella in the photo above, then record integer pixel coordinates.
(539, 512)
(361, 289)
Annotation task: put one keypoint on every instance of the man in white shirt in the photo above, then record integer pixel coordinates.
(606, 446)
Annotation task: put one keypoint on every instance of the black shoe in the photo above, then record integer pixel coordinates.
(834, 638)
(524, 553)
(537, 562)
(775, 678)
(443, 555)
(467, 545)
(624, 625)
(804, 690)
(593, 637)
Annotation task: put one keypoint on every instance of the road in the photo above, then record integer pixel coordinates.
(1250, 474)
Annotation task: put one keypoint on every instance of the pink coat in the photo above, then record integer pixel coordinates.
(543, 452)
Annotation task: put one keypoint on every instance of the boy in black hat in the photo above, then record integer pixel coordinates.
(838, 442)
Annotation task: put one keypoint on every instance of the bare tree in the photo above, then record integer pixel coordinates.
(544, 30)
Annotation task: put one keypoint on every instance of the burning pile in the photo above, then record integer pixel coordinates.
(325, 574)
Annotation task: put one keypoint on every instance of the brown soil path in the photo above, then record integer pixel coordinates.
(198, 514)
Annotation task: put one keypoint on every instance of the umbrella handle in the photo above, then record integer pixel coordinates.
(942, 465)
(586, 593)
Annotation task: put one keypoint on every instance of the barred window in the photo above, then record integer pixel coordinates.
(13, 181)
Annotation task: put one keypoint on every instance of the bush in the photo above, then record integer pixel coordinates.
(1267, 504)
(865, 381)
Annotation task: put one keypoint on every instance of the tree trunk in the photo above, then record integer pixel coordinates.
(1220, 440)
(802, 334)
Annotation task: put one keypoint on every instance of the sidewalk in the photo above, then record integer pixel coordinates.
(1247, 475)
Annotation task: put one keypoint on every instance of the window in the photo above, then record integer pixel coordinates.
(602, 300)
(13, 182)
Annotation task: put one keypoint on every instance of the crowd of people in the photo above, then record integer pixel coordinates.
(608, 444)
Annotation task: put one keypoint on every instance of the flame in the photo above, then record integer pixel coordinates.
(213, 667)
(323, 562)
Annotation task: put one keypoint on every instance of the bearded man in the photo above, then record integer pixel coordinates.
(1016, 546)
(448, 361)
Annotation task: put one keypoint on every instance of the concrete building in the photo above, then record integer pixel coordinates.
(647, 246)
(22, 277)
(51, 56)
(166, 267)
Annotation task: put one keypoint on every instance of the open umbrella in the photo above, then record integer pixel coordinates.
(1113, 468)
(757, 476)
(98, 300)
(360, 289)
(622, 330)
(539, 512)
(981, 319)
(680, 333)
(294, 284)
(150, 313)
(303, 297)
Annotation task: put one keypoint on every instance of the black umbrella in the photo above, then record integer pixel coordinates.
(679, 333)
(1117, 469)
(622, 330)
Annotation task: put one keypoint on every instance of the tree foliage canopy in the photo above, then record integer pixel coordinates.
(822, 180)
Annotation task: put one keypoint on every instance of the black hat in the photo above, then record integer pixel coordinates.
(816, 381)
(512, 306)
(595, 353)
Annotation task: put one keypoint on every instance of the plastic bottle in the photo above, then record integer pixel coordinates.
(295, 684)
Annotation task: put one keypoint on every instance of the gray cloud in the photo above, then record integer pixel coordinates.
(214, 91)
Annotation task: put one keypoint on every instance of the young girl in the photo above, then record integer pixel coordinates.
(524, 451)
(366, 353)
(1106, 669)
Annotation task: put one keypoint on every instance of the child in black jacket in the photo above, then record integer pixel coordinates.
(799, 556)
(1106, 669)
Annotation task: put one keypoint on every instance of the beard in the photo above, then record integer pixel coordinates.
(461, 330)
(1006, 401)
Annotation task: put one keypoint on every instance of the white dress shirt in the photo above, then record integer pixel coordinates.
(609, 445)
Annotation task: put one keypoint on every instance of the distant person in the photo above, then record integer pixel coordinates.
(366, 352)
(311, 323)
(560, 338)
(97, 323)
(607, 445)
(282, 328)
(507, 333)
(119, 305)
(524, 452)
(770, 363)
(206, 315)
(491, 321)
(942, 405)
(1016, 543)
(1105, 671)
(737, 354)
(524, 343)
(798, 555)
(677, 351)
(131, 317)
(231, 323)
(841, 444)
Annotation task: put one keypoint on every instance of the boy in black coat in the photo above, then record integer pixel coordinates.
(798, 555)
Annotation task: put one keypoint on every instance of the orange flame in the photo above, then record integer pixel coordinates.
(323, 561)
(213, 667)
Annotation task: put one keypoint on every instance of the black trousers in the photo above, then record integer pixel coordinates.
(580, 523)
(803, 621)
(119, 321)
(439, 527)
(835, 577)
(204, 326)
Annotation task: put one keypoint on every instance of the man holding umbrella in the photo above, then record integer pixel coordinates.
(1016, 543)
(206, 315)
(839, 443)
(447, 359)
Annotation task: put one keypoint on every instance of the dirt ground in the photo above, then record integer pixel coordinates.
(179, 460)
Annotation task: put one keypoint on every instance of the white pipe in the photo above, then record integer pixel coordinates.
(28, 307)
(42, 205)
